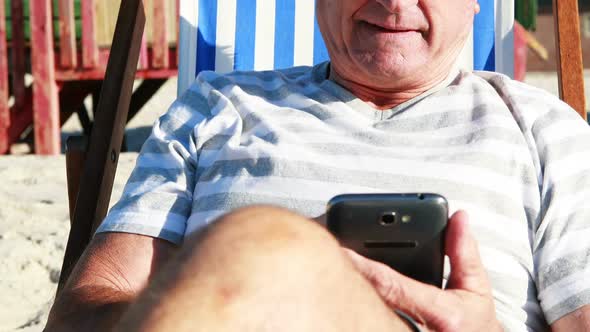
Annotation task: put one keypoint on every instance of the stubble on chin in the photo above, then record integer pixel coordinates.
(385, 67)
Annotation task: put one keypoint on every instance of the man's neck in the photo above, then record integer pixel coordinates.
(384, 99)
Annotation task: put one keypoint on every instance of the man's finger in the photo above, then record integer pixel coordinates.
(320, 219)
(401, 292)
(467, 270)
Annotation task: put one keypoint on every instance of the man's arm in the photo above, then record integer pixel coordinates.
(108, 277)
(578, 320)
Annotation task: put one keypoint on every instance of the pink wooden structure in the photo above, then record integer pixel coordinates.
(66, 71)
(4, 110)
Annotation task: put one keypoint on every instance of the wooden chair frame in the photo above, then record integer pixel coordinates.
(91, 174)
(93, 169)
(570, 69)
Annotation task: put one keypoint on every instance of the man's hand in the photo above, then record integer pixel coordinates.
(465, 305)
(321, 220)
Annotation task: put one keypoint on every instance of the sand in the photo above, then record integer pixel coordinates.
(34, 220)
(34, 226)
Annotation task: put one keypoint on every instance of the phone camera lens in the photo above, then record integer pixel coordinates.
(388, 219)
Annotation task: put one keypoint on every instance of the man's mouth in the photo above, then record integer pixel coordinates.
(386, 29)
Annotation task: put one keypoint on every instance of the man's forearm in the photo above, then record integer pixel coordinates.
(88, 309)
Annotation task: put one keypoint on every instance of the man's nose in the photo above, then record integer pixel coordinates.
(396, 6)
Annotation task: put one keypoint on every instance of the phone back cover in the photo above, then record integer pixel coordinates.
(414, 248)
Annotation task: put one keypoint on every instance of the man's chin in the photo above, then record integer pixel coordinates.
(393, 75)
(390, 65)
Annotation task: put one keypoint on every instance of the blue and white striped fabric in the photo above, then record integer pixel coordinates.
(227, 35)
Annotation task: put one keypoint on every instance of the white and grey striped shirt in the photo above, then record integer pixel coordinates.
(516, 158)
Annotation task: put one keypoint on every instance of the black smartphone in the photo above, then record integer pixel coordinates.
(403, 231)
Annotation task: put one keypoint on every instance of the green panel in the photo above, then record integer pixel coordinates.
(525, 12)
(77, 11)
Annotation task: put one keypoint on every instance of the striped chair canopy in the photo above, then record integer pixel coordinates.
(227, 35)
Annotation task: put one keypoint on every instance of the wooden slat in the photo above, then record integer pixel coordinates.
(177, 18)
(67, 34)
(89, 44)
(569, 54)
(99, 74)
(160, 33)
(107, 134)
(177, 26)
(106, 19)
(45, 93)
(4, 110)
(21, 119)
(18, 53)
(143, 53)
(75, 156)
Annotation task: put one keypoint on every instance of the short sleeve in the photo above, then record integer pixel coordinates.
(157, 198)
(561, 245)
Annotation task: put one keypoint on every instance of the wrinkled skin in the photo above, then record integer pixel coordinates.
(386, 52)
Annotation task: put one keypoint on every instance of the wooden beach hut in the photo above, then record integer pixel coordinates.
(64, 46)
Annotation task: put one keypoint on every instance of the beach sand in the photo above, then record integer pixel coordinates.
(34, 226)
(34, 220)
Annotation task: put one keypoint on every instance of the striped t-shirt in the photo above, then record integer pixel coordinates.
(514, 157)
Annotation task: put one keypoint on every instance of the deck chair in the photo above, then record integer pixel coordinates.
(281, 34)
(270, 35)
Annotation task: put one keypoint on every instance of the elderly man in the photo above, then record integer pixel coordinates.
(238, 166)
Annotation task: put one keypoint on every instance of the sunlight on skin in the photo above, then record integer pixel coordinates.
(387, 52)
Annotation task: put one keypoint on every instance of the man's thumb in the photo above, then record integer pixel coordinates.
(467, 271)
